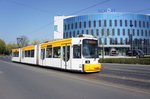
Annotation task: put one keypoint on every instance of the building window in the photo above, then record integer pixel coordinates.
(70, 34)
(126, 40)
(133, 32)
(92, 32)
(87, 32)
(118, 32)
(72, 26)
(138, 33)
(82, 31)
(126, 23)
(120, 22)
(76, 25)
(97, 32)
(147, 41)
(116, 42)
(105, 24)
(110, 41)
(99, 23)
(115, 22)
(145, 32)
(78, 33)
(121, 41)
(89, 24)
(94, 23)
(110, 22)
(100, 41)
(139, 23)
(128, 32)
(66, 34)
(102, 32)
(147, 25)
(135, 23)
(84, 24)
(74, 33)
(80, 25)
(141, 32)
(108, 33)
(65, 27)
(143, 24)
(105, 41)
(68, 26)
(113, 32)
(131, 23)
(123, 31)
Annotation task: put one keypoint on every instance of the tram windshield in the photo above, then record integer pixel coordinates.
(90, 48)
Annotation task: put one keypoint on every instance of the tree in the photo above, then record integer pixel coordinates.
(35, 42)
(22, 41)
(9, 47)
(2, 46)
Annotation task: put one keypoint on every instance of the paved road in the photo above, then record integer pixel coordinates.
(19, 81)
(134, 75)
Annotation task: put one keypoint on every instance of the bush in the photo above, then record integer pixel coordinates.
(145, 61)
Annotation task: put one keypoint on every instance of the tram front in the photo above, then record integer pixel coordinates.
(90, 55)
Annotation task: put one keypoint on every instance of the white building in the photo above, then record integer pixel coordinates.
(58, 26)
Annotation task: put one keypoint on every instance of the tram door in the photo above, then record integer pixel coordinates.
(66, 57)
(43, 57)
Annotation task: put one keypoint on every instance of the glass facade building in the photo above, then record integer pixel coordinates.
(119, 31)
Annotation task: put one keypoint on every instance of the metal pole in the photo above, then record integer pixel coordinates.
(130, 36)
(103, 51)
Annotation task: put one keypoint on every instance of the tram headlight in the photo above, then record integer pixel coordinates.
(87, 62)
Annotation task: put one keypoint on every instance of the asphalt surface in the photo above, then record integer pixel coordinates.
(20, 81)
(133, 75)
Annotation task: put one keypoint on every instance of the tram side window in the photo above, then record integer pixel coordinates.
(29, 53)
(76, 51)
(42, 54)
(48, 52)
(16, 54)
(32, 53)
(56, 52)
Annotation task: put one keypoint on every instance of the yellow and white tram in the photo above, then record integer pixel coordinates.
(79, 54)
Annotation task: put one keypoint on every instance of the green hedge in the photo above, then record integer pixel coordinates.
(145, 61)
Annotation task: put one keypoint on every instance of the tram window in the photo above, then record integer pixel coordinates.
(29, 53)
(16, 54)
(32, 53)
(26, 54)
(66, 53)
(76, 51)
(56, 52)
(42, 54)
(49, 53)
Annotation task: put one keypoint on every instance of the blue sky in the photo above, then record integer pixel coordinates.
(34, 18)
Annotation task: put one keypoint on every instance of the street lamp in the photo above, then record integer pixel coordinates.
(106, 34)
(131, 36)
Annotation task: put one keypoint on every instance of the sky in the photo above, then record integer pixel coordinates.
(35, 18)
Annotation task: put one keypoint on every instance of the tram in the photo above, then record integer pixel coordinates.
(75, 54)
